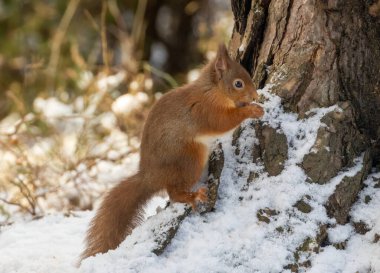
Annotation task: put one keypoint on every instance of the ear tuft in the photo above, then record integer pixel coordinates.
(222, 50)
(221, 62)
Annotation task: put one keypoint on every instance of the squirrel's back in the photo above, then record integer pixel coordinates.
(168, 126)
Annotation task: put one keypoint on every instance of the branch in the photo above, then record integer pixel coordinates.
(103, 35)
(16, 204)
(59, 36)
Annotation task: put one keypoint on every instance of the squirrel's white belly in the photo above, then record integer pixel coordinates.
(209, 140)
(206, 140)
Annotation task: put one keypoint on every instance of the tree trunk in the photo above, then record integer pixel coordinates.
(317, 54)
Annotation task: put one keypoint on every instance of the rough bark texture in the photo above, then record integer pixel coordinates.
(318, 53)
(337, 145)
(339, 204)
(215, 167)
(272, 148)
(165, 233)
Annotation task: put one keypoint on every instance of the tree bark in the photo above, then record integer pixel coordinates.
(318, 53)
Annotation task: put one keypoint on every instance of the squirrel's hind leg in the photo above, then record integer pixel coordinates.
(188, 197)
(185, 173)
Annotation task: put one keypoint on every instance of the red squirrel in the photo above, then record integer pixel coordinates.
(175, 148)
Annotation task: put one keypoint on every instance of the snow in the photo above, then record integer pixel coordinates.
(108, 82)
(193, 75)
(242, 47)
(129, 103)
(86, 78)
(52, 107)
(47, 245)
(340, 233)
(368, 213)
(362, 253)
(231, 238)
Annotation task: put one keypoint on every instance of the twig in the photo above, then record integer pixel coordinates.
(76, 56)
(91, 19)
(16, 204)
(25, 191)
(115, 12)
(138, 23)
(167, 77)
(17, 125)
(58, 38)
(20, 105)
(103, 36)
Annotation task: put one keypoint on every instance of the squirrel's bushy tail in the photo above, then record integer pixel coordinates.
(118, 214)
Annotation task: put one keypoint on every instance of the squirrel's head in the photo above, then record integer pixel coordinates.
(232, 79)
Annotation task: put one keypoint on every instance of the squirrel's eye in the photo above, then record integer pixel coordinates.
(238, 84)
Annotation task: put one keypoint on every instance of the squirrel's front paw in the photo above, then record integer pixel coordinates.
(256, 111)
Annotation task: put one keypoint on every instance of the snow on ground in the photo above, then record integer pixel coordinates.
(362, 253)
(47, 245)
(232, 238)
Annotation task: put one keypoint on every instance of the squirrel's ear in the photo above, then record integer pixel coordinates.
(221, 62)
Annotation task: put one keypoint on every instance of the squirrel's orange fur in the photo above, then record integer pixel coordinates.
(173, 153)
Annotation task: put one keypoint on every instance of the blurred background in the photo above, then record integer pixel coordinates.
(77, 80)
